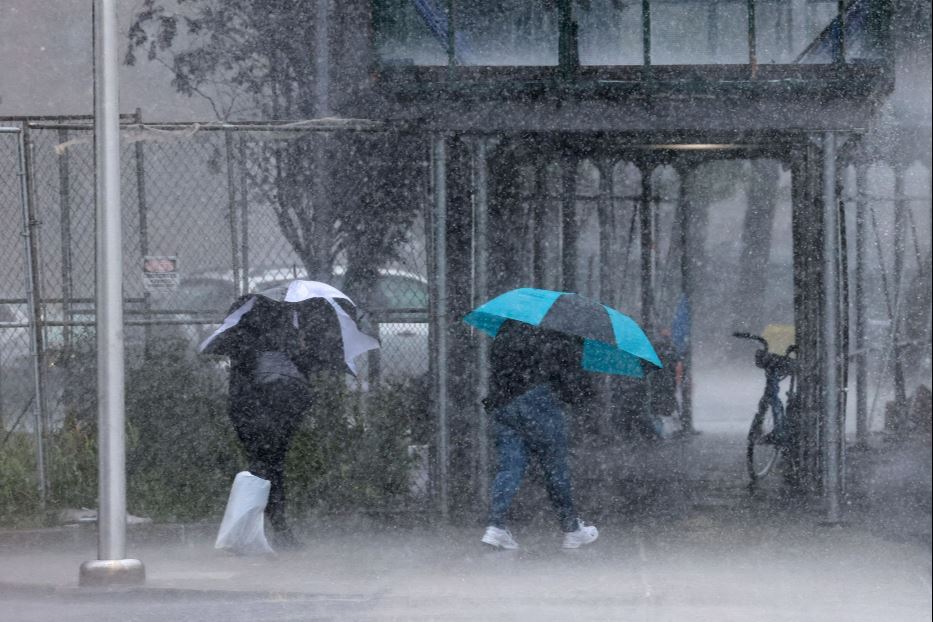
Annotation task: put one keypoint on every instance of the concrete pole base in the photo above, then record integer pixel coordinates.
(104, 572)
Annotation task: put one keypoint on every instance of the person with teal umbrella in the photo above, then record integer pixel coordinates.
(547, 345)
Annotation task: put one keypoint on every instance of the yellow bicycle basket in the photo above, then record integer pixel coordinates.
(779, 337)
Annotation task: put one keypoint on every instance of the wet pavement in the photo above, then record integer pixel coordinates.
(682, 538)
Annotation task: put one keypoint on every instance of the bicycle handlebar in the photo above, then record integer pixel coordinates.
(757, 338)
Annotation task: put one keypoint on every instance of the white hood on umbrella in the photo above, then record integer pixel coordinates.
(355, 341)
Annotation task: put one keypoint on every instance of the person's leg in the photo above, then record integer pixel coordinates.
(550, 445)
(511, 467)
(282, 416)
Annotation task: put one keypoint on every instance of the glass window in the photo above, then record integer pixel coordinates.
(705, 32)
(784, 30)
(609, 32)
(506, 32)
(410, 32)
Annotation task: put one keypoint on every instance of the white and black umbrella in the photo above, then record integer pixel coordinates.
(288, 299)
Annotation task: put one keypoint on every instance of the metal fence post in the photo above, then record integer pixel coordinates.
(143, 225)
(244, 217)
(64, 194)
(33, 303)
(231, 212)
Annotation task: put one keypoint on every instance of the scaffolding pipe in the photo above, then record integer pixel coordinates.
(439, 222)
(481, 231)
(861, 359)
(834, 431)
(111, 566)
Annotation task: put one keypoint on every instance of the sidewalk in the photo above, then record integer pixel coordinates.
(698, 547)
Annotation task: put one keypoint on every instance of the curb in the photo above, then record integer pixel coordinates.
(85, 535)
(143, 592)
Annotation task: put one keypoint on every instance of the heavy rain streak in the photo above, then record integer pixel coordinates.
(465, 310)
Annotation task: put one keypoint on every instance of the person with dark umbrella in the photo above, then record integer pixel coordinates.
(277, 348)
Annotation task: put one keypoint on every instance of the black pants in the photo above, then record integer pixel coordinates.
(265, 417)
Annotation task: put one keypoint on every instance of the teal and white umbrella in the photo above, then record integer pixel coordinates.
(613, 343)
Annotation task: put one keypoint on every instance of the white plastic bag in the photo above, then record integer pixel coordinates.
(242, 530)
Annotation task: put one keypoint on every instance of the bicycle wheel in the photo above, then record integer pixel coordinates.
(762, 452)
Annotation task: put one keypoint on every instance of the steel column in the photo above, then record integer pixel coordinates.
(833, 472)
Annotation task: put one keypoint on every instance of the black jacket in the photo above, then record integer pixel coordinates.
(525, 356)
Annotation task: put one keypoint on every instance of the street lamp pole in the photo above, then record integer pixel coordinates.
(110, 567)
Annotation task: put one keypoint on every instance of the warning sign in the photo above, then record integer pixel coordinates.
(160, 273)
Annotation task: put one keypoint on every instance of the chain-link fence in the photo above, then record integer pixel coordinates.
(209, 214)
(17, 393)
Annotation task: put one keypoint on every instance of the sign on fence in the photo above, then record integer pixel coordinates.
(160, 273)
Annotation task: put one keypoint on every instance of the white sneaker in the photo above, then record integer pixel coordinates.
(499, 538)
(583, 534)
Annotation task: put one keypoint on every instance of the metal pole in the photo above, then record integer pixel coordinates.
(64, 197)
(568, 218)
(32, 298)
(440, 316)
(647, 272)
(752, 40)
(686, 277)
(244, 218)
(900, 234)
(834, 433)
(480, 234)
(321, 59)
(647, 248)
(110, 567)
(861, 360)
(142, 207)
(539, 267)
(231, 213)
(840, 48)
(451, 34)
(646, 34)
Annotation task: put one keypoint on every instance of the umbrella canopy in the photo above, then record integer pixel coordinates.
(288, 298)
(613, 343)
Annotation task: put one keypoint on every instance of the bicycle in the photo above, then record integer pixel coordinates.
(770, 437)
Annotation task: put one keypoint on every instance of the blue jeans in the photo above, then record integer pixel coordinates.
(532, 424)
